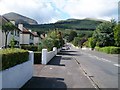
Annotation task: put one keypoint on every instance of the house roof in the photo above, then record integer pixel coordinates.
(3, 20)
(35, 34)
(26, 31)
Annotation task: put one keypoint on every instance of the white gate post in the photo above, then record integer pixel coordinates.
(44, 56)
(55, 49)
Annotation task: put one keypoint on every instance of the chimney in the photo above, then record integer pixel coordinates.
(30, 30)
(20, 26)
(13, 22)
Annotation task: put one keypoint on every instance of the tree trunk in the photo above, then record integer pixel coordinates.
(6, 40)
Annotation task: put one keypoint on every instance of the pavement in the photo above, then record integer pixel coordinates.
(63, 71)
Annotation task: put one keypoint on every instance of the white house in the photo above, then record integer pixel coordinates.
(13, 34)
(36, 38)
(26, 37)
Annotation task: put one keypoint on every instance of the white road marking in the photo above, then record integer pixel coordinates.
(118, 65)
(50, 68)
(105, 60)
(100, 59)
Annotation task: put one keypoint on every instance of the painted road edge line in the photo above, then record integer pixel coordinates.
(118, 65)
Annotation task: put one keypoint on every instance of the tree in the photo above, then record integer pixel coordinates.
(104, 34)
(76, 41)
(72, 35)
(7, 28)
(92, 42)
(117, 35)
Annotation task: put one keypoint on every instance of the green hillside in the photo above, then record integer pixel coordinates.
(87, 24)
(76, 24)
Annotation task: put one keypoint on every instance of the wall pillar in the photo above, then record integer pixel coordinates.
(44, 56)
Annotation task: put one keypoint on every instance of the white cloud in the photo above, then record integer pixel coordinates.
(52, 10)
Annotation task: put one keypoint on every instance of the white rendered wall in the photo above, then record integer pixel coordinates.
(17, 76)
(24, 38)
(47, 56)
(36, 40)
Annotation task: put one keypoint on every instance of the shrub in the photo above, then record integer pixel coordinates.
(48, 44)
(37, 57)
(109, 50)
(12, 57)
(29, 47)
(92, 43)
(76, 41)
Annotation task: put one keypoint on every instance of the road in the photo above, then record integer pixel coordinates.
(77, 68)
(101, 68)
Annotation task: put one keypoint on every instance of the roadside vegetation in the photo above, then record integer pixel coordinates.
(11, 57)
(105, 38)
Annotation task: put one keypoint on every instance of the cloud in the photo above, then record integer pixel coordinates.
(46, 11)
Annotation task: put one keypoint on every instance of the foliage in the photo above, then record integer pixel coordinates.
(92, 43)
(12, 57)
(48, 44)
(104, 34)
(72, 35)
(37, 57)
(82, 41)
(76, 41)
(84, 33)
(12, 42)
(85, 24)
(109, 50)
(7, 28)
(29, 47)
(117, 35)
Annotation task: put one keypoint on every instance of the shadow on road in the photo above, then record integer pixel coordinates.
(56, 61)
(45, 82)
(63, 52)
(67, 51)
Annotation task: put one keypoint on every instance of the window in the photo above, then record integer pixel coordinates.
(18, 33)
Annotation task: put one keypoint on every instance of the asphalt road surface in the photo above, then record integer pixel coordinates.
(103, 69)
(77, 68)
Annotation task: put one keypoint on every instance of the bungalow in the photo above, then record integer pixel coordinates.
(26, 37)
(13, 34)
(36, 38)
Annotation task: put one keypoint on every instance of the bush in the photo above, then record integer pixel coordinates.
(92, 43)
(109, 50)
(37, 57)
(48, 44)
(76, 41)
(29, 47)
(12, 57)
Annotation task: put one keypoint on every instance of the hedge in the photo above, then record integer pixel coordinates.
(37, 57)
(109, 50)
(12, 57)
(29, 47)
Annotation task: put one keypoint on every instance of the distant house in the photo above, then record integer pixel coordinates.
(13, 34)
(21, 35)
(36, 38)
(26, 37)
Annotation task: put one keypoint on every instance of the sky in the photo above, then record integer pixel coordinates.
(50, 11)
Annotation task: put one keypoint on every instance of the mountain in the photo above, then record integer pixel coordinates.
(77, 24)
(19, 18)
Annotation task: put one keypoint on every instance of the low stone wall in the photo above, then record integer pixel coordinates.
(17, 76)
(47, 56)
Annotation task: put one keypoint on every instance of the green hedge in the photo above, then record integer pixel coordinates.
(109, 50)
(37, 57)
(29, 47)
(12, 57)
